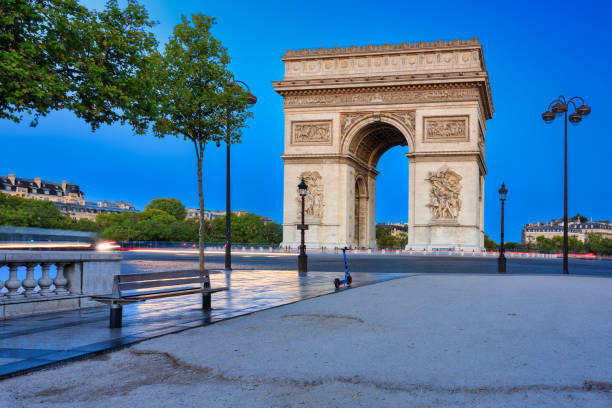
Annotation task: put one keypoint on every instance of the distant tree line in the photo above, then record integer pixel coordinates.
(594, 243)
(162, 220)
(390, 238)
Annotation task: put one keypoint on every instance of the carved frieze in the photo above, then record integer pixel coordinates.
(313, 202)
(406, 117)
(311, 133)
(442, 129)
(382, 97)
(444, 201)
(396, 63)
(481, 143)
(348, 120)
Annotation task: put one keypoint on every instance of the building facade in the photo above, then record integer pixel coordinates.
(554, 228)
(345, 107)
(90, 210)
(68, 197)
(39, 189)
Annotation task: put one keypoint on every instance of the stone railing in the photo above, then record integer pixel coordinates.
(34, 282)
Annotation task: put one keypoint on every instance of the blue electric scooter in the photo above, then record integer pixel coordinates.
(348, 279)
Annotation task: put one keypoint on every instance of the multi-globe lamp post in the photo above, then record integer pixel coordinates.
(501, 261)
(302, 258)
(559, 107)
(251, 100)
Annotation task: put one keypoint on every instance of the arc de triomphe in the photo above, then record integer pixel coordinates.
(344, 107)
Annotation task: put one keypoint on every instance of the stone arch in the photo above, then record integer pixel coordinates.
(345, 107)
(367, 136)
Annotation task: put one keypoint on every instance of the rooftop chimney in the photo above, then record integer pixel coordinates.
(38, 182)
(11, 177)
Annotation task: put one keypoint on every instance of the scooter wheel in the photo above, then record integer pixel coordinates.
(349, 280)
(337, 283)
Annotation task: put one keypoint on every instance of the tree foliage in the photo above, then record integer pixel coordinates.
(23, 212)
(57, 54)
(489, 244)
(153, 224)
(171, 206)
(388, 238)
(193, 94)
(247, 228)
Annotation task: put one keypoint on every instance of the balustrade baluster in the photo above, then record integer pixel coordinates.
(29, 283)
(45, 282)
(13, 284)
(1, 286)
(60, 281)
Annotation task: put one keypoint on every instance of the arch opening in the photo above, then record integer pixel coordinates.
(373, 140)
(367, 146)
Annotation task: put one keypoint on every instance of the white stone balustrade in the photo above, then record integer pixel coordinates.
(34, 282)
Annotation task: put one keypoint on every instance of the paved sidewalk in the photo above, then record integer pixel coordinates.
(38, 341)
(421, 341)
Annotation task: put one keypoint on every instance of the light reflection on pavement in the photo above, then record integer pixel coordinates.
(34, 342)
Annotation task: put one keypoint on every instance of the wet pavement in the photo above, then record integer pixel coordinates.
(35, 342)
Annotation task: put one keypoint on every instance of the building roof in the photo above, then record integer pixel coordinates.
(51, 186)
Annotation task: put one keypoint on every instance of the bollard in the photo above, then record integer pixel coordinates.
(116, 316)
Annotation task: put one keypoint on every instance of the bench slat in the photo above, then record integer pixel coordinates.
(122, 301)
(173, 292)
(160, 283)
(135, 277)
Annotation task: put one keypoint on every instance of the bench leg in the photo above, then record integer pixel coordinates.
(116, 316)
(206, 302)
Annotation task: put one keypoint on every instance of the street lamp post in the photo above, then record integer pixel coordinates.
(559, 107)
(302, 258)
(501, 261)
(251, 100)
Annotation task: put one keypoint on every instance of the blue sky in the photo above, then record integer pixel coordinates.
(534, 52)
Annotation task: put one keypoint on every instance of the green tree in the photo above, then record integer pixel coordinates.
(248, 228)
(579, 218)
(171, 206)
(513, 246)
(273, 233)
(386, 238)
(57, 54)
(194, 96)
(490, 245)
(597, 244)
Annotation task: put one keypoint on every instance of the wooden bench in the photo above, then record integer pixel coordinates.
(140, 287)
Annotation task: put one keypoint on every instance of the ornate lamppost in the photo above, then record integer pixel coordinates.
(501, 261)
(559, 107)
(251, 100)
(302, 258)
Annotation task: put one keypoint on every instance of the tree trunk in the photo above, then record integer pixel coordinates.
(201, 197)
